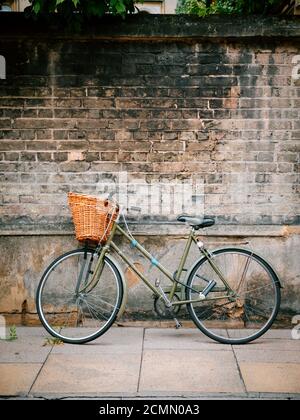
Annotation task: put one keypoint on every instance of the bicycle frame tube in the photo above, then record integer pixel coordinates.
(155, 262)
(110, 244)
(182, 264)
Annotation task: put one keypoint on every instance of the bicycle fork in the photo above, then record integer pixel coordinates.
(96, 273)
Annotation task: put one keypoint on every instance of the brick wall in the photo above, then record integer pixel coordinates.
(222, 105)
(74, 110)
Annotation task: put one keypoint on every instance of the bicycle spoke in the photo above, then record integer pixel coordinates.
(97, 298)
(90, 309)
(254, 290)
(98, 309)
(255, 310)
(216, 306)
(244, 274)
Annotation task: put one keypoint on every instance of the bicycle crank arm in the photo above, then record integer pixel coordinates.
(163, 295)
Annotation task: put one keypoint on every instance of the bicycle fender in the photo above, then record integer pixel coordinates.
(259, 256)
(242, 249)
(124, 283)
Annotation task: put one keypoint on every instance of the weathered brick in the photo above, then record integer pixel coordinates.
(68, 103)
(10, 167)
(40, 123)
(11, 113)
(92, 156)
(139, 135)
(109, 156)
(44, 156)
(12, 145)
(74, 166)
(187, 125)
(13, 156)
(134, 146)
(60, 156)
(58, 134)
(154, 125)
(5, 123)
(103, 145)
(132, 156)
(170, 135)
(72, 145)
(38, 102)
(288, 157)
(44, 113)
(265, 157)
(40, 145)
(77, 134)
(105, 167)
(102, 103)
(91, 123)
(28, 156)
(137, 167)
(170, 145)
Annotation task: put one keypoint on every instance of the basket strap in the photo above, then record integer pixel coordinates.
(86, 246)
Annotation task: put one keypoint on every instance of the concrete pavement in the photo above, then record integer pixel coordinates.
(140, 362)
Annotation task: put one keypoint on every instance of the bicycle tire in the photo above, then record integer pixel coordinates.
(42, 283)
(277, 298)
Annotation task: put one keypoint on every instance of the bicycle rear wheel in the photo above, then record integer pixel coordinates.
(252, 308)
(67, 311)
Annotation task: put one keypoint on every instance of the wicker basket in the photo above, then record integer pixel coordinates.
(93, 217)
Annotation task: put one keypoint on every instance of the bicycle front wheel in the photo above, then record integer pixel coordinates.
(247, 311)
(70, 312)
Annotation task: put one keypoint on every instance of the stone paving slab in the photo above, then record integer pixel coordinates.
(271, 377)
(190, 371)
(266, 356)
(17, 378)
(183, 339)
(272, 344)
(28, 348)
(24, 352)
(277, 334)
(114, 341)
(83, 374)
(142, 363)
(25, 332)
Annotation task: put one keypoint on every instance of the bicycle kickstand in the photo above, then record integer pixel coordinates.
(177, 324)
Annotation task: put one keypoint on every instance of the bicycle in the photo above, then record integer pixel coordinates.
(232, 294)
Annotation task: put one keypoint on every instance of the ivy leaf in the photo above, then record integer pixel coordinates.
(120, 7)
(36, 7)
(86, 8)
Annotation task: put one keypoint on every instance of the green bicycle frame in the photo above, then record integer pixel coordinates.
(175, 279)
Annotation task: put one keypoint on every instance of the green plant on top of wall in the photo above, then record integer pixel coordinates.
(226, 7)
(86, 8)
